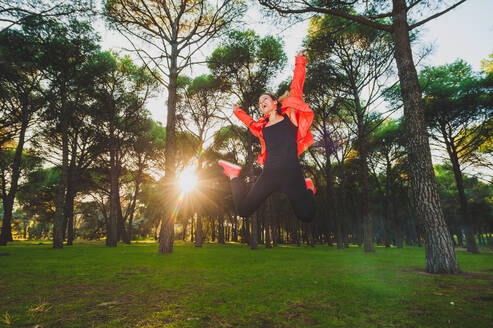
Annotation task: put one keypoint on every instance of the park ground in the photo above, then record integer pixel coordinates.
(90, 285)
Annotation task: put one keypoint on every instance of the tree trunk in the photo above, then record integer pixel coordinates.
(213, 229)
(132, 205)
(245, 231)
(184, 233)
(122, 232)
(235, 230)
(115, 208)
(58, 225)
(192, 238)
(365, 188)
(8, 199)
(460, 236)
(69, 212)
(198, 231)
(365, 201)
(388, 204)
(466, 216)
(220, 235)
(275, 235)
(341, 208)
(440, 254)
(166, 236)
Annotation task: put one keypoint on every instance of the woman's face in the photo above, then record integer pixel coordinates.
(266, 104)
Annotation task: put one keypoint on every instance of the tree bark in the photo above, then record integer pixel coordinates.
(132, 205)
(58, 225)
(220, 235)
(184, 233)
(192, 238)
(122, 232)
(213, 229)
(439, 251)
(112, 228)
(388, 204)
(341, 217)
(234, 233)
(69, 212)
(365, 191)
(70, 196)
(166, 237)
(8, 199)
(471, 244)
(198, 231)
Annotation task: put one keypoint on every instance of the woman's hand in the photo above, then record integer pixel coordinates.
(302, 53)
(236, 107)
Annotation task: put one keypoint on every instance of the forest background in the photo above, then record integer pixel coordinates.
(84, 158)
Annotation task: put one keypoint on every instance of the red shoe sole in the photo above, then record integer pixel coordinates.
(230, 168)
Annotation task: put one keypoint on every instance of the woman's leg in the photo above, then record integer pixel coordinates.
(247, 203)
(302, 199)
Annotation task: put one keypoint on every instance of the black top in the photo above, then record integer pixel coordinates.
(280, 144)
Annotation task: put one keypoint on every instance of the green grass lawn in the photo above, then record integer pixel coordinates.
(90, 285)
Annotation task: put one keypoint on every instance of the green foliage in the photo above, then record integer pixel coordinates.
(248, 62)
(30, 162)
(20, 76)
(93, 221)
(487, 64)
(37, 194)
(450, 92)
(479, 197)
(458, 107)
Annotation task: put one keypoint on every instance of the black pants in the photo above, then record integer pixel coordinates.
(289, 181)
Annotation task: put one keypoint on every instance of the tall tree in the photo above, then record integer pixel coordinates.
(67, 47)
(403, 17)
(121, 93)
(388, 145)
(458, 119)
(357, 60)
(147, 149)
(173, 31)
(21, 100)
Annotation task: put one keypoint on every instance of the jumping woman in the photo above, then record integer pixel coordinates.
(284, 134)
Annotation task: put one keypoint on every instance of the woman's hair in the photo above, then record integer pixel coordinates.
(274, 97)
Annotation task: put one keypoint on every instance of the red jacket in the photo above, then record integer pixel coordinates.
(293, 106)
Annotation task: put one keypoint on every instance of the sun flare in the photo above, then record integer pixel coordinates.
(187, 180)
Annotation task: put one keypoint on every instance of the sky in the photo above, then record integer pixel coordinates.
(466, 32)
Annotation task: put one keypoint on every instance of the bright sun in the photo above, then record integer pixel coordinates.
(187, 179)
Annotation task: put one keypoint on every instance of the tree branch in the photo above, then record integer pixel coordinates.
(435, 16)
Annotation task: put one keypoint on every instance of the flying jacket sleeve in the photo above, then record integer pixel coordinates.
(248, 121)
(298, 111)
(298, 78)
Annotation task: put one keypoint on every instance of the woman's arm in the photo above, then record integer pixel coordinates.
(297, 85)
(298, 76)
(247, 120)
